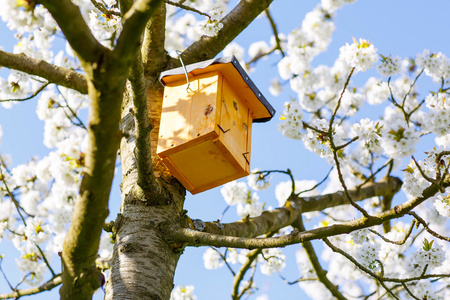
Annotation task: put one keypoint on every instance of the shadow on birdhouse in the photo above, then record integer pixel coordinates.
(206, 122)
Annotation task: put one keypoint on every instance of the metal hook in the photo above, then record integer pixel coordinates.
(185, 71)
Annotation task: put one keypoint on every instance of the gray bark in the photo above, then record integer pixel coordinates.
(144, 262)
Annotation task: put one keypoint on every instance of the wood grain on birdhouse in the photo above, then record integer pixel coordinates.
(206, 123)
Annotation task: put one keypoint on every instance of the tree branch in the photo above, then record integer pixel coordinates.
(155, 58)
(284, 216)
(321, 273)
(360, 266)
(54, 282)
(154, 55)
(137, 90)
(54, 74)
(233, 24)
(248, 227)
(251, 256)
(134, 22)
(75, 29)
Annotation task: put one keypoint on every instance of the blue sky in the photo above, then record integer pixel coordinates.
(398, 27)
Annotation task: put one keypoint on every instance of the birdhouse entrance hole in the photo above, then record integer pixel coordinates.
(205, 131)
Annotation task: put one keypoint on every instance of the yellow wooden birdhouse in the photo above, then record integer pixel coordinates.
(206, 122)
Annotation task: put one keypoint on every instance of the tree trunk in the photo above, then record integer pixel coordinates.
(144, 262)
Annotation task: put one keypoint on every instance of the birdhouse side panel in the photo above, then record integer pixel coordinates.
(250, 97)
(236, 124)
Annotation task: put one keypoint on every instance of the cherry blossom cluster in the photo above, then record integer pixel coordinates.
(420, 174)
(247, 203)
(212, 25)
(360, 55)
(436, 65)
(271, 260)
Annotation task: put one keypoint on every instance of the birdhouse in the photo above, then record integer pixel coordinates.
(206, 122)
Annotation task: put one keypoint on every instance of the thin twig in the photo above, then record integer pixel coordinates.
(410, 88)
(341, 179)
(224, 212)
(4, 274)
(335, 149)
(427, 178)
(427, 228)
(40, 89)
(47, 286)
(45, 260)
(224, 258)
(275, 32)
(413, 223)
(74, 115)
(338, 104)
(185, 7)
(408, 291)
(438, 160)
(346, 144)
(298, 280)
(317, 185)
(12, 197)
(101, 7)
(361, 267)
(287, 172)
(251, 257)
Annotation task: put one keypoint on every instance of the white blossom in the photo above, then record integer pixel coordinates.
(284, 190)
(360, 236)
(376, 91)
(359, 55)
(258, 181)
(389, 66)
(212, 25)
(397, 139)
(258, 49)
(438, 116)
(234, 49)
(367, 255)
(235, 193)
(436, 65)
(252, 208)
(212, 259)
(106, 246)
(273, 260)
(442, 204)
(183, 293)
(432, 257)
(275, 87)
(292, 120)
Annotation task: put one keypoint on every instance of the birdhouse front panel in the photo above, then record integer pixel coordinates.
(189, 115)
(206, 122)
